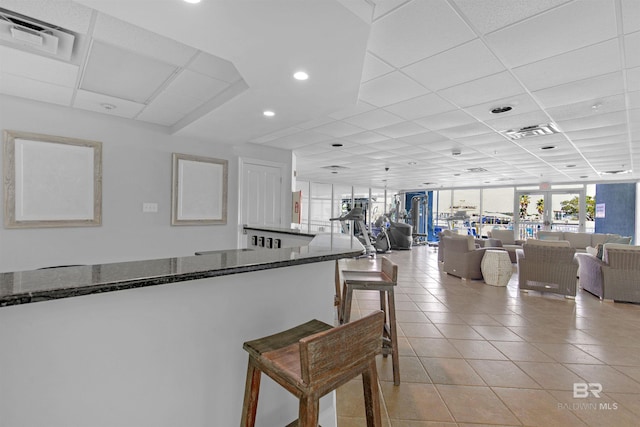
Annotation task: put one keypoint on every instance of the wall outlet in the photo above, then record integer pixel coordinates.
(150, 207)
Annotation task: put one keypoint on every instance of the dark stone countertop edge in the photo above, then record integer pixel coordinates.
(278, 230)
(51, 294)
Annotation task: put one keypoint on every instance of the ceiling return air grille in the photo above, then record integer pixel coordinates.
(531, 131)
(30, 34)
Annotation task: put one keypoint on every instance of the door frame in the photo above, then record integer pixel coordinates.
(548, 220)
(242, 162)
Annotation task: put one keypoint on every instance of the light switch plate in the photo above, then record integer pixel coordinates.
(149, 207)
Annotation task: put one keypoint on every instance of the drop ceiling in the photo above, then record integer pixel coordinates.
(396, 87)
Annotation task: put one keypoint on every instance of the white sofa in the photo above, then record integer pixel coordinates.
(581, 241)
(509, 242)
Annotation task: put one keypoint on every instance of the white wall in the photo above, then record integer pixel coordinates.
(136, 169)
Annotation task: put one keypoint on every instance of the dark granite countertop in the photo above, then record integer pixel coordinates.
(293, 231)
(41, 285)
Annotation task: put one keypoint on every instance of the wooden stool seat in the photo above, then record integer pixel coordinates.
(313, 359)
(383, 280)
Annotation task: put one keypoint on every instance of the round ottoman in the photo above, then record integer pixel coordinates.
(496, 267)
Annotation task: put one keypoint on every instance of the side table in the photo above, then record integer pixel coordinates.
(496, 267)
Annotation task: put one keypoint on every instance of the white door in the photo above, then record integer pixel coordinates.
(262, 194)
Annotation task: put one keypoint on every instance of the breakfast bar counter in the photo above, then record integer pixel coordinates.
(156, 342)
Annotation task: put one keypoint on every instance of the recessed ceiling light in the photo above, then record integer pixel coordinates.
(268, 113)
(502, 109)
(412, 163)
(300, 75)
(584, 176)
(570, 166)
(548, 147)
(337, 144)
(108, 106)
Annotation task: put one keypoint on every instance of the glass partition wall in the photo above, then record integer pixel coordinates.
(526, 210)
(321, 202)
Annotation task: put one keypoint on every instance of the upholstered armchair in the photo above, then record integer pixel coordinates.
(547, 266)
(509, 243)
(461, 257)
(616, 276)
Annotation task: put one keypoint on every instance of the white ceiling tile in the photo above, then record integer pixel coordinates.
(594, 121)
(496, 86)
(630, 14)
(450, 68)
(598, 132)
(300, 139)
(631, 49)
(465, 130)
(390, 89)
(579, 64)
(401, 130)
(489, 16)
(423, 138)
(518, 121)
(445, 120)
(275, 135)
(194, 85)
(338, 129)
(582, 90)
(122, 74)
(520, 104)
(315, 123)
(373, 119)
(633, 79)
(586, 108)
(35, 67)
(94, 102)
(215, 67)
(385, 6)
(359, 108)
(374, 67)
(135, 39)
(417, 30)
(36, 90)
(365, 137)
(421, 106)
(555, 32)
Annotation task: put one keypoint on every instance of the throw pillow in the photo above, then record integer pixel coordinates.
(550, 238)
(600, 249)
(619, 240)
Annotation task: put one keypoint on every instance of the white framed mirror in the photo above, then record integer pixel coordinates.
(51, 181)
(199, 190)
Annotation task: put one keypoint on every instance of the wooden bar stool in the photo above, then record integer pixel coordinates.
(313, 359)
(385, 281)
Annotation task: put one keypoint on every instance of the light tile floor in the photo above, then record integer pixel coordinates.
(474, 355)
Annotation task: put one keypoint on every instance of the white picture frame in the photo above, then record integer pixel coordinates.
(51, 181)
(199, 190)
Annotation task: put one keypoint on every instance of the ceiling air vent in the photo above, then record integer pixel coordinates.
(615, 172)
(531, 131)
(27, 33)
(476, 170)
(335, 167)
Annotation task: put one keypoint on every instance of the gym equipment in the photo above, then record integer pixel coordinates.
(359, 229)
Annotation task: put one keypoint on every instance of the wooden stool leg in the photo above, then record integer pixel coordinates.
(371, 396)
(394, 337)
(251, 392)
(308, 411)
(346, 313)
